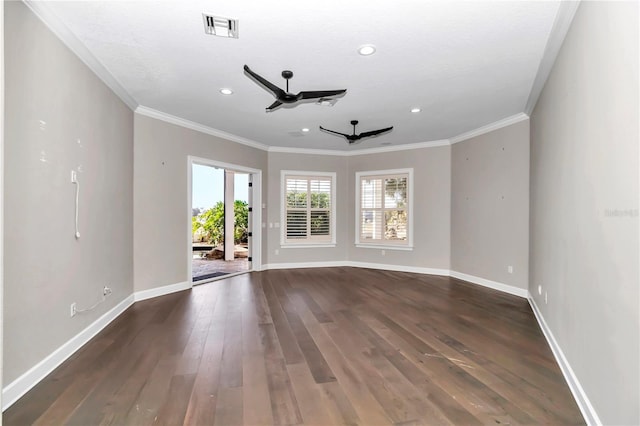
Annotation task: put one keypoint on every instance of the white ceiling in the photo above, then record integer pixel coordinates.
(466, 64)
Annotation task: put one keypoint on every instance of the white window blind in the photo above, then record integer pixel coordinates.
(383, 208)
(308, 209)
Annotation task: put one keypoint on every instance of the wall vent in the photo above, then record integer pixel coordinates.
(220, 26)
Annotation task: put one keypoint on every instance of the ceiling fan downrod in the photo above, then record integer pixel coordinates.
(286, 74)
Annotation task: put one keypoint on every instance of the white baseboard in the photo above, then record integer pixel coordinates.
(161, 291)
(400, 268)
(332, 264)
(14, 390)
(586, 408)
(337, 263)
(516, 291)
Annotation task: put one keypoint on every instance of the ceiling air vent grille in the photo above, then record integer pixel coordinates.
(220, 26)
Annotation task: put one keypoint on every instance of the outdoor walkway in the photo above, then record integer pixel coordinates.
(204, 266)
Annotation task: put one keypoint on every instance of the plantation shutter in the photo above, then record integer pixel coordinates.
(383, 216)
(308, 208)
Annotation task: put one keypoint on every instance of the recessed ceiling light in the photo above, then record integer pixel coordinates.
(305, 129)
(226, 91)
(415, 109)
(367, 49)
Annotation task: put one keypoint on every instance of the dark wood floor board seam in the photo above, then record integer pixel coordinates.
(286, 338)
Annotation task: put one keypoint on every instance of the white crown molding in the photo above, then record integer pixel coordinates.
(309, 151)
(586, 408)
(403, 147)
(561, 25)
(168, 118)
(14, 390)
(490, 127)
(365, 151)
(46, 15)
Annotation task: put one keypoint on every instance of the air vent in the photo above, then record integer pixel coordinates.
(220, 26)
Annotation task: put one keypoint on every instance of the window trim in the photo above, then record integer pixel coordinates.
(283, 210)
(410, 201)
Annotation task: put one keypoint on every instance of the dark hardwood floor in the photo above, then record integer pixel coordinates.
(312, 346)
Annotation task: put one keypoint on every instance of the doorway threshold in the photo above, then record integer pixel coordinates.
(216, 276)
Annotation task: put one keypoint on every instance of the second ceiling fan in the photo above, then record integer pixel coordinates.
(353, 138)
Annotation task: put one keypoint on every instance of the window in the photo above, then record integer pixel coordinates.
(308, 208)
(383, 214)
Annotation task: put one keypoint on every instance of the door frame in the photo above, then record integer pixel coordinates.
(255, 249)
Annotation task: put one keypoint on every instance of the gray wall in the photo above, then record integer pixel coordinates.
(311, 163)
(432, 206)
(490, 205)
(161, 244)
(46, 269)
(584, 166)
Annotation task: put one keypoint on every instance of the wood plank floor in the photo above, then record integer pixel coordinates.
(312, 346)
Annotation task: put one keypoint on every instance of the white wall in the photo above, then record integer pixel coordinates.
(490, 205)
(584, 168)
(431, 208)
(312, 163)
(59, 117)
(161, 224)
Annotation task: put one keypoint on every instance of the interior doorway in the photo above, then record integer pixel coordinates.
(221, 231)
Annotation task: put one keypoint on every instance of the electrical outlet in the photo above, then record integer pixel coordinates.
(72, 310)
(74, 176)
(510, 269)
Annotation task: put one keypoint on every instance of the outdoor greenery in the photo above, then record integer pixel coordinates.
(211, 223)
(320, 219)
(319, 200)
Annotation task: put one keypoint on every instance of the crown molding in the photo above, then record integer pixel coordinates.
(490, 127)
(559, 29)
(168, 118)
(404, 147)
(51, 20)
(310, 151)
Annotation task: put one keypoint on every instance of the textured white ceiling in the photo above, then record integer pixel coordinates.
(466, 64)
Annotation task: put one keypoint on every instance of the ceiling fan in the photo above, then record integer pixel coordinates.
(356, 138)
(283, 96)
